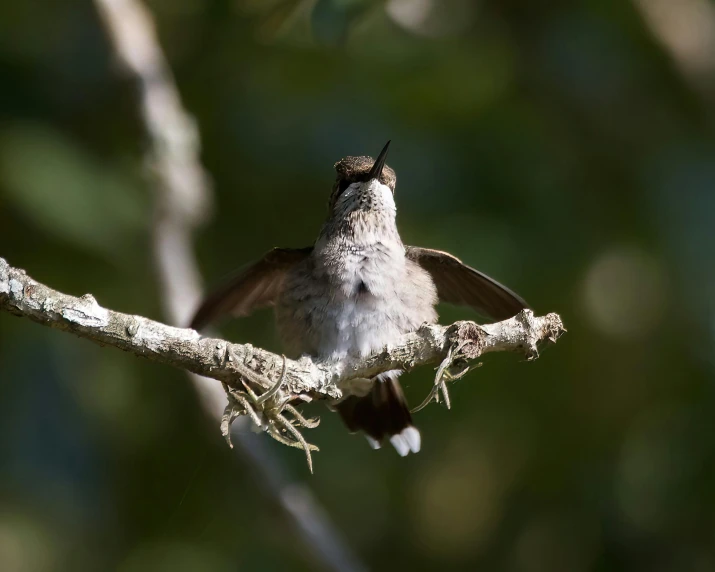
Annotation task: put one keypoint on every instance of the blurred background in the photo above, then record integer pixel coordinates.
(565, 148)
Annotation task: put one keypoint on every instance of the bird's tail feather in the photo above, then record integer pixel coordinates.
(382, 413)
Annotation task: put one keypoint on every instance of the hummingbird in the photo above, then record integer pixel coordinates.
(357, 290)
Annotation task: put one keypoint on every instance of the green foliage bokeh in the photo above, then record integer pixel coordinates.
(559, 149)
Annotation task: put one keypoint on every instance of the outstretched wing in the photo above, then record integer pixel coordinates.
(460, 284)
(254, 287)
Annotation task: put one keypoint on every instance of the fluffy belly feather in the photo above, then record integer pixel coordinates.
(360, 325)
(361, 302)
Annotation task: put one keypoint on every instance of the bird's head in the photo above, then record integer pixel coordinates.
(363, 184)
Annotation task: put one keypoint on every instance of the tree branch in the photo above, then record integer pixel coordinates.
(237, 364)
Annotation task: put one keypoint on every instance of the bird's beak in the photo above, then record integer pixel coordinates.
(376, 170)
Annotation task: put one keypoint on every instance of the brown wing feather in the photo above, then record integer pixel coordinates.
(254, 287)
(460, 284)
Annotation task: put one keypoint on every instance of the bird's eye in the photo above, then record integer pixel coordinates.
(344, 184)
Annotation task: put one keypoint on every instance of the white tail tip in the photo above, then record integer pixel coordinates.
(374, 443)
(409, 440)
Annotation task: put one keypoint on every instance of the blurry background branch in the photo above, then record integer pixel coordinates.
(686, 30)
(183, 201)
